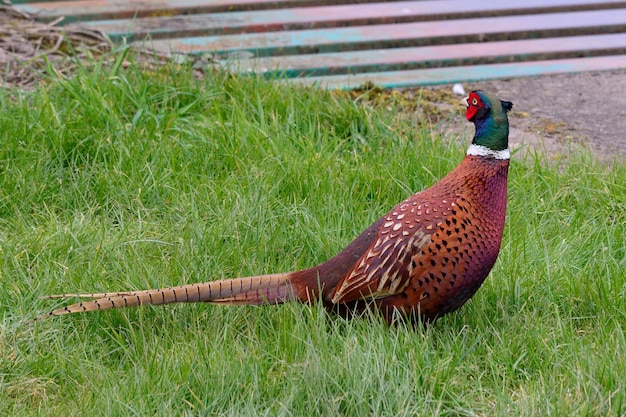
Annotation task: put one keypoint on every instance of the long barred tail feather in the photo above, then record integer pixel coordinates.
(271, 289)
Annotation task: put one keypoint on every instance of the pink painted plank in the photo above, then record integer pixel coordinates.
(330, 16)
(120, 9)
(433, 56)
(433, 76)
(404, 34)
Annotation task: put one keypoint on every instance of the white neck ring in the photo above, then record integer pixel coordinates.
(480, 150)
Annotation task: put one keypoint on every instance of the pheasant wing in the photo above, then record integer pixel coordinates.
(385, 267)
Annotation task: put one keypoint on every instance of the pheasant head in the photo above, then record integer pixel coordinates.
(489, 115)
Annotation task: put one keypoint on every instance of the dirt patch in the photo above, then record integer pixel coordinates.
(562, 113)
(558, 114)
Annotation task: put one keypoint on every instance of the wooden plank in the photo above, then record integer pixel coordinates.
(74, 10)
(330, 16)
(403, 34)
(434, 56)
(433, 76)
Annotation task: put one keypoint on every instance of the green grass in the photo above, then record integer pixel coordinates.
(128, 179)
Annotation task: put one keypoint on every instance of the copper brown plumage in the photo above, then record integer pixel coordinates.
(424, 258)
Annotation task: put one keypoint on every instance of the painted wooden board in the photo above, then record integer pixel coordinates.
(433, 56)
(403, 34)
(74, 10)
(125, 9)
(434, 76)
(332, 16)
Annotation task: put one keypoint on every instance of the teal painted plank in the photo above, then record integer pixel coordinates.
(433, 56)
(123, 9)
(335, 15)
(74, 10)
(402, 34)
(434, 76)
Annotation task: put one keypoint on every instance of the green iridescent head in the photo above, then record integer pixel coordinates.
(488, 113)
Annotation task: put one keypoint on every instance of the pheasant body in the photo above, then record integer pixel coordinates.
(425, 258)
(467, 219)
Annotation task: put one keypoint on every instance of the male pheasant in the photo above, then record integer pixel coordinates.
(423, 259)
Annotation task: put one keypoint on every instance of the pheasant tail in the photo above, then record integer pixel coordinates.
(270, 289)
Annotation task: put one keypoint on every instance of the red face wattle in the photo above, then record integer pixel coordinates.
(474, 103)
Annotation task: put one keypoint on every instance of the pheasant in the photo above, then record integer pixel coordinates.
(424, 258)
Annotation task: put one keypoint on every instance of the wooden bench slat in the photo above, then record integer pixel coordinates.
(124, 9)
(434, 76)
(331, 16)
(434, 56)
(402, 34)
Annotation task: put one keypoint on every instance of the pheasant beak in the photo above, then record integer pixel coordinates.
(465, 102)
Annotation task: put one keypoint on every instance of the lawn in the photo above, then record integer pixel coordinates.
(126, 177)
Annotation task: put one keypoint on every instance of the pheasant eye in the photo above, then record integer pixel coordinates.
(474, 101)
